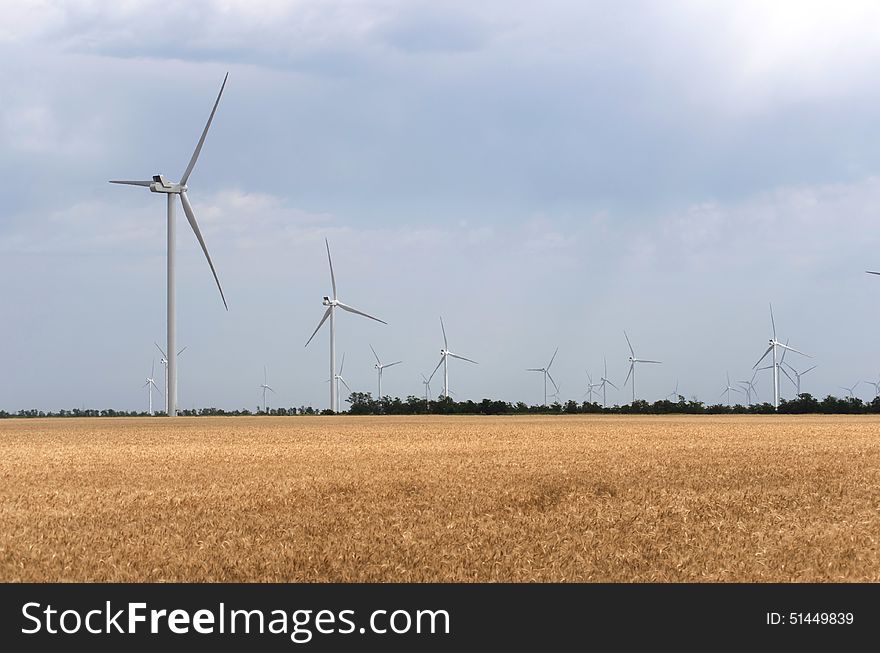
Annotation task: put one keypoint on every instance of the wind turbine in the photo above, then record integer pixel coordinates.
(606, 381)
(427, 383)
(591, 387)
(380, 366)
(159, 184)
(164, 362)
(750, 387)
(674, 393)
(150, 384)
(850, 390)
(546, 372)
(632, 365)
(265, 387)
(444, 361)
(774, 344)
(728, 389)
(331, 305)
(337, 378)
(797, 374)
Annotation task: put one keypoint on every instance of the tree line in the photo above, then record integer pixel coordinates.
(363, 403)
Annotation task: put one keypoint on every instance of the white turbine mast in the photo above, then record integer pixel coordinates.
(772, 348)
(546, 372)
(379, 367)
(159, 184)
(264, 387)
(632, 366)
(331, 305)
(445, 354)
(150, 384)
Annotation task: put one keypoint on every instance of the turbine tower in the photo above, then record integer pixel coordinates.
(772, 348)
(265, 387)
(546, 372)
(159, 184)
(331, 305)
(427, 384)
(632, 365)
(444, 361)
(150, 384)
(380, 366)
(728, 389)
(605, 381)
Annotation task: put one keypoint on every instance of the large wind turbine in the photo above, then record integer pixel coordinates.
(797, 375)
(331, 305)
(380, 366)
(546, 372)
(632, 365)
(265, 386)
(605, 381)
(427, 383)
(591, 388)
(851, 390)
(728, 389)
(161, 185)
(444, 361)
(150, 384)
(164, 362)
(774, 344)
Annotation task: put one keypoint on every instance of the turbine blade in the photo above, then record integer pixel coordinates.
(533, 369)
(870, 272)
(463, 358)
(769, 349)
(190, 216)
(195, 156)
(330, 260)
(794, 350)
(630, 346)
(128, 182)
(180, 351)
(392, 364)
(445, 342)
(772, 321)
(785, 371)
(270, 389)
(808, 369)
(376, 355)
(611, 384)
(628, 374)
(435, 369)
(323, 319)
(645, 360)
(553, 382)
(161, 351)
(346, 307)
(553, 358)
(342, 364)
(345, 384)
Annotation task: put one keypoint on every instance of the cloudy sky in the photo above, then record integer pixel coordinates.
(540, 174)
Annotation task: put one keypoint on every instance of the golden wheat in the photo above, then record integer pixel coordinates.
(441, 499)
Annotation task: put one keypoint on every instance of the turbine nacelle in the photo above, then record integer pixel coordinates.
(162, 185)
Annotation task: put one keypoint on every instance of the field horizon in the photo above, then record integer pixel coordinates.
(549, 498)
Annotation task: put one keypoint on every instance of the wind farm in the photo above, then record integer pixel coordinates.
(539, 203)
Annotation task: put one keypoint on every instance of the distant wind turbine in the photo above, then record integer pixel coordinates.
(876, 385)
(150, 384)
(380, 366)
(605, 381)
(774, 345)
(674, 394)
(546, 372)
(337, 378)
(750, 387)
(164, 362)
(851, 390)
(632, 365)
(728, 389)
(445, 354)
(591, 388)
(161, 185)
(427, 383)
(265, 387)
(797, 375)
(331, 305)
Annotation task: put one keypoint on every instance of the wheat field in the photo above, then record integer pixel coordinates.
(756, 498)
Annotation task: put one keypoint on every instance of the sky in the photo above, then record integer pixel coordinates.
(542, 175)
